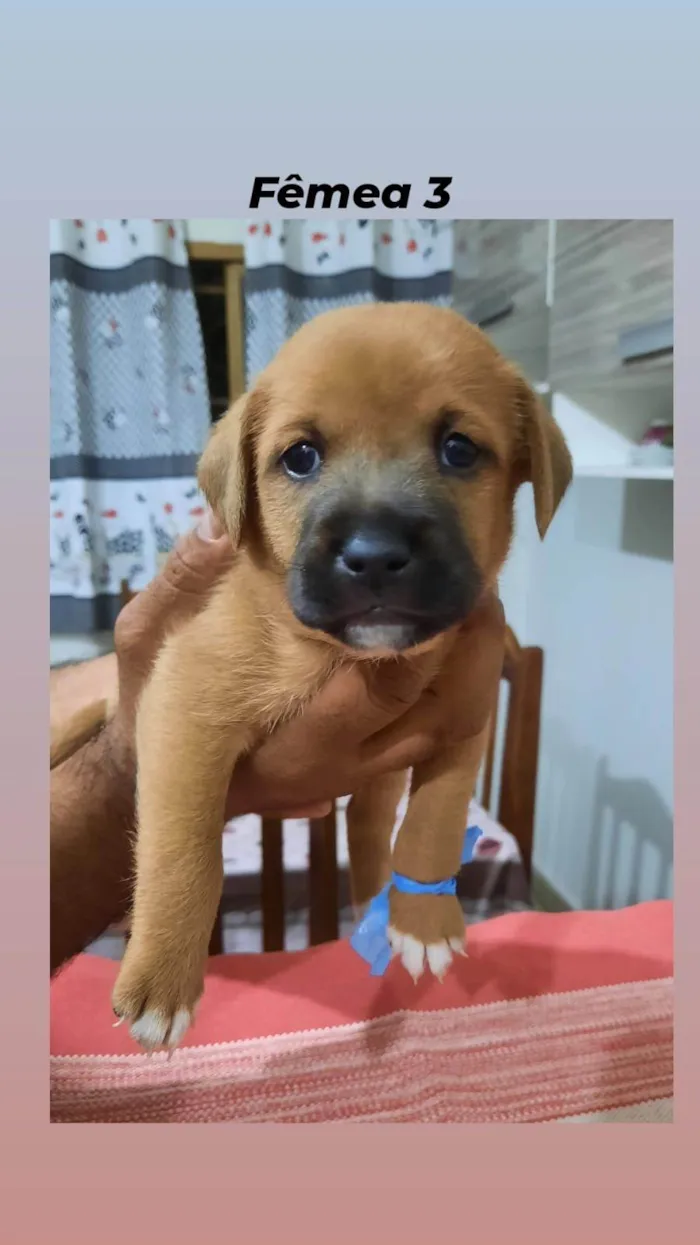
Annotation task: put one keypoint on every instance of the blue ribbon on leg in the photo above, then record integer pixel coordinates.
(370, 939)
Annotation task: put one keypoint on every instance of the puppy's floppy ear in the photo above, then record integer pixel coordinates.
(544, 456)
(223, 472)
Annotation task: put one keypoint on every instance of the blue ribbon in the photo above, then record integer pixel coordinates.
(370, 940)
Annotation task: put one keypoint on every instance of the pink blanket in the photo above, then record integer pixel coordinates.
(551, 1017)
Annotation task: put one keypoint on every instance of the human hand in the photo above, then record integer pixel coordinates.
(370, 720)
(74, 692)
(365, 721)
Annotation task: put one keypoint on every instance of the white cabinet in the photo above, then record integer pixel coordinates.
(611, 340)
(613, 282)
(500, 283)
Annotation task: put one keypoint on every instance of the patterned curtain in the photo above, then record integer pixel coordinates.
(129, 410)
(297, 269)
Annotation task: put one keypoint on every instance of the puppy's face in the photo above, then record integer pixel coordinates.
(375, 466)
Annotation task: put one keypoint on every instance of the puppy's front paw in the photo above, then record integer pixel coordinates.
(157, 997)
(426, 929)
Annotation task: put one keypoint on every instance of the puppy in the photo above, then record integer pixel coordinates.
(367, 482)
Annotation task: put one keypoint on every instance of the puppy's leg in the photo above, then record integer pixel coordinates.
(371, 815)
(187, 748)
(429, 849)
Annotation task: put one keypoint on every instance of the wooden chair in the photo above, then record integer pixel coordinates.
(513, 807)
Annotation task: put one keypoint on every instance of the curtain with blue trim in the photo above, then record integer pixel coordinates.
(129, 410)
(297, 269)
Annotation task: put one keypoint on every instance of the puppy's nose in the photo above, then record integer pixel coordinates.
(373, 556)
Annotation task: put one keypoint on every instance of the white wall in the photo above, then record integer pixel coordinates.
(597, 595)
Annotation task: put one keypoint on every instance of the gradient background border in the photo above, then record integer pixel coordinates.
(536, 111)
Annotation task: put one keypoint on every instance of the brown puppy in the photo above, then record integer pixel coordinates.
(367, 482)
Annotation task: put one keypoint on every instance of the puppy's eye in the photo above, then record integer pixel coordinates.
(301, 460)
(458, 452)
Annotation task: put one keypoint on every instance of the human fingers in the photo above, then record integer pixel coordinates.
(314, 756)
(456, 706)
(180, 589)
(193, 566)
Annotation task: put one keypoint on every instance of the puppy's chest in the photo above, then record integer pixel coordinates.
(289, 673)
(276, 669)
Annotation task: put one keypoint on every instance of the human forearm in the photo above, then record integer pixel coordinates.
(92, 817)
(72, 687)
(80, 698)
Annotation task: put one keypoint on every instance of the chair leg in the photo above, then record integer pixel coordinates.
(323, 881)
(516, 808)
(273, 923)
(216, 942)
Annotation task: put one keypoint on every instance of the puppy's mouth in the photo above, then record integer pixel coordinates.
(382, 579)
(381, 629)
(378, 628)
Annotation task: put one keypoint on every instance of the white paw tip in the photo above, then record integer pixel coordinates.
(439, 956)
(181, 1023)
(411, 951)
(414, 953)
(153, 1029)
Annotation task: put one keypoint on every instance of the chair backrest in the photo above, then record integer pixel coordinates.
(513, 806)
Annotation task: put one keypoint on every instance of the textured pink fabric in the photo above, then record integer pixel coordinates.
(549, 1016)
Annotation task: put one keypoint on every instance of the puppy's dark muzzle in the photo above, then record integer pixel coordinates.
(383, 567)
(375, 566)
